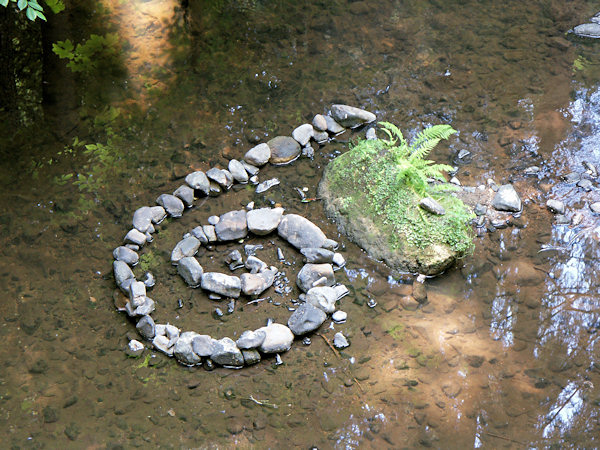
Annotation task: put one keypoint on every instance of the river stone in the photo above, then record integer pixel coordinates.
(319, 137)
(229, 178)
(266, 185)
(190, 270)
(430, 205)
(252, 170)
(232, 226)
(251, 339)
(203, 345)
(209, 231)
(255, 265)
(251, 357)
(315, 255)
(126, 255)
(217, 176)
(507, 199)
(556, 206)
(278, 338)
(319, 123)
(137, 293)
(300, 232)
(136, 237)
(349, 116)
(162, 344)
(338, 260)
(122, 272)
(186, 247)
(146, 327)
(227, 354)
(135, 348)
(258, 156)
(305, 319)
(219, 283)
(340, 341)
(264, 220)
(311, 273)
(303, 133)
(371, 134)
(322, 297)
(333, 127)
(198, 233)
(284, 149)
(173, 206)
(158, 214)
(142, 219)
(198, 181)
(183, 349)
(339, 316)
(256, 284)
(145, 309)
(185, 194)
(238, 171)
(588, 30)
(595, 207)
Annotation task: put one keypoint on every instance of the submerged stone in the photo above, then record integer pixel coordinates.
(284, 149)
(349, 116)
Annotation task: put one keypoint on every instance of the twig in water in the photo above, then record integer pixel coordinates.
(257, 300)
(330, 346)
(504, 438)
(265, 403)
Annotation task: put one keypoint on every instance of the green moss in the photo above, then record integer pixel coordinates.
(149, 262)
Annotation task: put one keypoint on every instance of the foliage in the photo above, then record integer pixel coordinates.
(393, 175)
(86, 57)
(33, 9)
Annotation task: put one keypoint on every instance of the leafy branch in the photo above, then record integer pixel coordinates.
(33, 9)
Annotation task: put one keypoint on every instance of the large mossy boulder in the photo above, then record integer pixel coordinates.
(373, 193)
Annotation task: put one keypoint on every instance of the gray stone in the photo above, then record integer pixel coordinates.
(349, 116)
(173, 206)
(339, 260)
(252, 170)
(214, 190)
(229, 177)
(258, 156)
(333, 127)
(371, 134)
(136, 237)
(185, 194)
(149, 280)
(311, 273)
(227, 354)
(256, 284)
(183, 349)
(255, 265)
(190, 270)
(300, 232)
(284, 150)
(305, 319)
(266, 185)
(251, 339)
(203, 345)
(308, 152)
(507, 199)
(585, 184)
(572, 177)
(330, 244)
(339, 316)
(588, 30)
(137, 293)
(532, 170)
(322, 297)
(341, 291)
(278, 338)
(213, 220)
(145, 309)
(198, 181)
(595, 207)
(430, 205)
(319, 123)
(234, 257)
(198, 233)
(209, 231)
(219, 283)
(158, 214)
(340, 341)
(317, 255)
(319, 137)
(232, 226)
(146, 328)
(162, 344)
(238, 171)
(126, 255)
(135, 348)
(556, 206)
(251, 249)
(218, 177)
(251, 357)
(142, 219)
(303, 133)
(264, 220)
(186, 247)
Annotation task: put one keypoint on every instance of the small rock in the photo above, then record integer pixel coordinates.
(203, 345)
(232, 226)
(278, 338)
(507, 199)
(146, 327)
(480, 210)
(339, 316)
(227, 354)
(349, 116)
(303, 133)
(333, 127)
(319, 137)
(319, 123)
(585, 184)
(419, 291)
(572, 177)
(338, 260)
(126, 255)
(190, 270)
(137, 293)
(218, 176)
(264, 220)
(595, 207)
(186, 195)
(210, 233)
(251, 339)
(135, 348)
(184, 248)
(142, 219)
(173, 206)
(252, 170)
(556, 206)
(214, 189)
(430, 205)
(149, 280)
(122, 272)
(258, 156)
(162, 344)
(219, 283)
(322, 297)
(183, 350)
(256, 284)
(284, 150)
(255, 265)
(311, 273)
(300, 232)
(198, 233)
(340, 341)
(266, 185)
(135, 237)
(305, 319)
(251, 356)
(588, 30)
(238, 171)
(158, 214)
(371, 134)
(198, 181)
(316, 255)
(229, 177)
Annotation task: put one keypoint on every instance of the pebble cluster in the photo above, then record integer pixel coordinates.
(316, 278)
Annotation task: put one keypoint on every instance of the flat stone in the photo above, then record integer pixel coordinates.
(219, 283)
(430, 205)
(255, 265)
(349, 116)
(319, 137)
(186, 247)
(339, 316)
(319, 123)
(311, 273)
(317, 255)
(256, 284)
(300, 232)
(555, 206)
(190, 270)
(213, 220)
(136, 237)
(227, 354)
(162, 344)
(238, 171)
(322, 297)
(149, 280)
(340, 341)
(215, 174)
(284, 150)
(266, 185)
(126, 255)
(264, 220)
(158, 214)
(146, 327)
(145, 309)
(210, 233)
(588, 30)
(122, 272)
(203, 345)
(252, 170)
(278, 338)
(305, 319)
(198, 233)
(333, 127)
(173, 206)
(303, 133)
(229, 178)
(135, 348)
(142, 219)
(198, 181)
(137, 293)
(251, 339)
(507, 199)
(183, 349)
(251, 356)
(232, 226)
(185, 194)
(258, 156)
(339, 260)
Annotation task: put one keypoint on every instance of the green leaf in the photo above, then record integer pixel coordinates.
(41, 15)
(30, 13)
(35, 5)
(55, 5)
(21, 4)
(64, 49)
(4, 2)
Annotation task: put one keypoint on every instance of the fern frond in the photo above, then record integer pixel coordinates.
(422, 151)
(393, 132)
(434, 133)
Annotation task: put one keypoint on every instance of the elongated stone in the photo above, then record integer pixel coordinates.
(198, 181)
